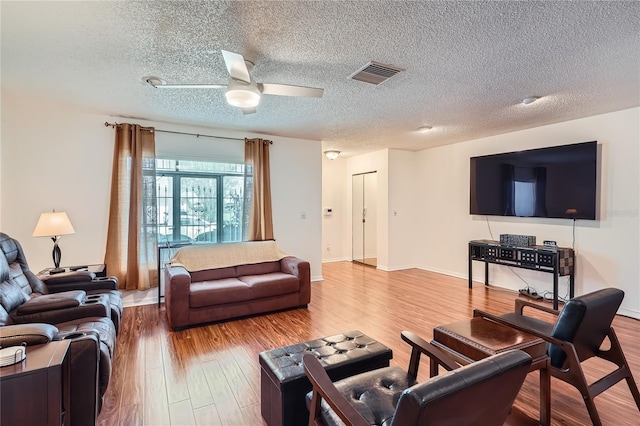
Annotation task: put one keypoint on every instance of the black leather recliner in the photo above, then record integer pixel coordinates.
(89, 362)
(79, 290)
(30, 315)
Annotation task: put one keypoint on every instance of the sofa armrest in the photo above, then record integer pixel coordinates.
(85, 377)
(31, 334)
(292, 265)
(102, 283)
(96, 307)
(301, 269)
(68, 277)
(51, 302)
(176, 295)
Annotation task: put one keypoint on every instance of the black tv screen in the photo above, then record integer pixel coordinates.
(554, 182)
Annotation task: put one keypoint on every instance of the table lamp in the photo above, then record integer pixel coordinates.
(54, 224)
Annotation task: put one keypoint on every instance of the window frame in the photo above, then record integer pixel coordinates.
(219, 177)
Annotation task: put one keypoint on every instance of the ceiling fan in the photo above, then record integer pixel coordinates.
(242, 90)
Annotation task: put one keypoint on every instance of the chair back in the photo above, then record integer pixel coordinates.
(18, 268)
(480, 393)
(585, 322)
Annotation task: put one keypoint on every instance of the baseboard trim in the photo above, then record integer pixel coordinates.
(336, 259)
(148, 299)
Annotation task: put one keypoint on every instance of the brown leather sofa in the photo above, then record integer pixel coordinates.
(236, 291)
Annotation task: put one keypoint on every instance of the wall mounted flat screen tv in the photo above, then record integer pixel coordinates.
(554, 182)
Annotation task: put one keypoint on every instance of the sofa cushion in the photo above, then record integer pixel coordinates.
(273, 284)
(213, 274)
(218, 292)
(257, 268)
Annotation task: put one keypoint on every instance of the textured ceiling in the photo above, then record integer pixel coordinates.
(467, 63)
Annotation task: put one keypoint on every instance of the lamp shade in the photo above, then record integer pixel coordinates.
(52, 224)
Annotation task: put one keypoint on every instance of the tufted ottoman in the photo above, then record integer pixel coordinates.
(284, 383)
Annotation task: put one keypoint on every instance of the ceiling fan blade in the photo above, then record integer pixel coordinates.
(289, 90)
(236, 66)
(246, 111)
(157, 83)
(190, 86)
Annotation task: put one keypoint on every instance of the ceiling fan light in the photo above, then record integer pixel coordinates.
(242, 97)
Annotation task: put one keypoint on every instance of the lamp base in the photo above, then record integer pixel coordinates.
(56, 271)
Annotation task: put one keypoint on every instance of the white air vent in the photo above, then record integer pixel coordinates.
(375, 73)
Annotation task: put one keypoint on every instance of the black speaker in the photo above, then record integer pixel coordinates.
(518, 240)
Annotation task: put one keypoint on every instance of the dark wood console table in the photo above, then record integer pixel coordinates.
(559, 261)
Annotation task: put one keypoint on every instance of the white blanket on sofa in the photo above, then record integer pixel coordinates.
(200, 257)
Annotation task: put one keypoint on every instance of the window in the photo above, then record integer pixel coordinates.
(525, 198)
(199, 201)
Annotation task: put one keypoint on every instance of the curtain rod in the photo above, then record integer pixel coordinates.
(107, 124)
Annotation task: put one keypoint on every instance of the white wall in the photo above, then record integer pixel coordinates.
(607, 250)
(334, 196)
(56, 157)
(373, 162)
(403, 213)
(429, 190)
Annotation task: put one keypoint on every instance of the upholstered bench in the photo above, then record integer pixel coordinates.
(284, 384)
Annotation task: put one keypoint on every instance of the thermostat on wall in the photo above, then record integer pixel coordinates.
(327, 211)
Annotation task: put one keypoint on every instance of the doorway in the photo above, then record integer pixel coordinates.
(364, 218)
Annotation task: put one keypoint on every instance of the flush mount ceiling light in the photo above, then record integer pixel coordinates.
(332, 154)
(424, 129)
(529, 100)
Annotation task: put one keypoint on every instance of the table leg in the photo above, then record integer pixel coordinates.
(470, 269)
(486, 273)
(555, 282)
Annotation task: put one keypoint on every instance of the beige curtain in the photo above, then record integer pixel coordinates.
(259, 226)
(132, 243)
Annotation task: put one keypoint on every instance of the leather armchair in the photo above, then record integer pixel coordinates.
(577, 335)
(59, 298)
(89, 354)
(479, 393)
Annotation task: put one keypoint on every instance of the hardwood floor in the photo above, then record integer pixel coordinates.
(209, 375)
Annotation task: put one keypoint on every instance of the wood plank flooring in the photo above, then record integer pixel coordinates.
(209, 375)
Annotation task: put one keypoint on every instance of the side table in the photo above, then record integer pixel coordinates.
(478, 338)
(32, 391)
(100, 269)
